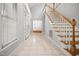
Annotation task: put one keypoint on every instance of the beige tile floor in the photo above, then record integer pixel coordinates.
(37, 45)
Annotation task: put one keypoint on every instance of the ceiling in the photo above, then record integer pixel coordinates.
(36, 10)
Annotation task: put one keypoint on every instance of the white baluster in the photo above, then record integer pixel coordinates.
(69, 38)
(66, 33)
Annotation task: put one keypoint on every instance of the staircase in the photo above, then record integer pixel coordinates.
(66, 30)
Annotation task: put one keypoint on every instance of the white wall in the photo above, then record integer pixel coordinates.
(0, 33)
(23, 22)
(8, 23)
(14, 24)
(0, 28)
(47, 25)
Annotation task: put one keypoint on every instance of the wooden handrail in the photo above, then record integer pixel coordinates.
(67, 19)
(57, 5)
(49, 17)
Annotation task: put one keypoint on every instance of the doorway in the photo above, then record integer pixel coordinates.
(37, 26)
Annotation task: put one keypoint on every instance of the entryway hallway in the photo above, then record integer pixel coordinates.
(57, 26)
(38, 45)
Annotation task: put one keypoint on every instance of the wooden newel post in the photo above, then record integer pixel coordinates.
(73, 37)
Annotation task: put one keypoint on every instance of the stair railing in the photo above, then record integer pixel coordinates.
(69, 29)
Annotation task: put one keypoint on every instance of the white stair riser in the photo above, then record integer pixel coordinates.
(69, 46)
(62, 24)
(62, 29)
(67, 33)
(68, 39)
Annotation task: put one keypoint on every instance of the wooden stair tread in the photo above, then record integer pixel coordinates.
(61, 23)
(65, 31)
(76, 36)
(71, 42)
(62, 27)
